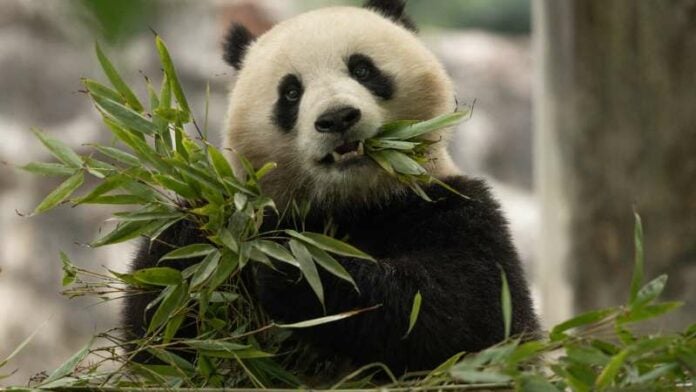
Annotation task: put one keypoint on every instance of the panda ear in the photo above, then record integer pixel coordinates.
(394, 10)
(236, 43)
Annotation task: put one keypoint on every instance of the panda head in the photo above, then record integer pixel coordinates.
(311, 89)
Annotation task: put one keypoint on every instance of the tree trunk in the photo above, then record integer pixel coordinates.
(616, 129)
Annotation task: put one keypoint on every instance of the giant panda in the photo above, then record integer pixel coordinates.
(307, 93)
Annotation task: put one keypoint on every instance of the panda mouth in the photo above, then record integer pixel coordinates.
(345, 152)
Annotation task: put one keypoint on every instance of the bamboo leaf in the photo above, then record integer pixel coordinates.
(189, 251)
(581, 320)
(125, 116)
(382, 161)
(326, 319)
(61, 193)
(159, 276)
(220, 164)
(276, 251)
(106, 92)
(174, 297)
(649, 292)
(123, 232)
(639, 262)
(608, 374)
(331, 265)
(308, 268)
(330, 244)
(506, 302)
(415, 311)
(49, 169)
(70, 365)
(59, 149)
(418, 129)
(205, 270)
(119, 155)
(69, 270)
(402, 163)
(169, 70)
(116, 81)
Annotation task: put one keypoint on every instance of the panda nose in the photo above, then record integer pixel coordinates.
(337, 120)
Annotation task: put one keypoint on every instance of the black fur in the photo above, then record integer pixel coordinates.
(394, 10)
(379, 83)
(286, 109)
(448, 250)
(235, 45)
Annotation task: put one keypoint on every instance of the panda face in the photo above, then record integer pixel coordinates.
(313, 88)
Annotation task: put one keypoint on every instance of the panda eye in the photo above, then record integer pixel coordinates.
(292, 94)
(361, 71)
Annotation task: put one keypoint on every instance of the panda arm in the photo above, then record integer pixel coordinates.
(450, 254)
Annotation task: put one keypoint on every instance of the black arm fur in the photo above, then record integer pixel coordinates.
(448, 250)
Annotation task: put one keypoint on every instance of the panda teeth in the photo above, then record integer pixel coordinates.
(359, 151)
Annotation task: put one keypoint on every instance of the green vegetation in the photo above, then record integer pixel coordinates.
(163, 176)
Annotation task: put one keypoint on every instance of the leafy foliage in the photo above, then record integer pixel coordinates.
(166, 176)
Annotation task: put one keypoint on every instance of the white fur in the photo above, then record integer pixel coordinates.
(314, 46)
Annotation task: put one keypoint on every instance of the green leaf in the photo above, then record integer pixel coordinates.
(330, 244)
(69, 270)
(97, 88)
(557, 333)
(308, 268)
(415, 311)
(205, 270)
(49, 169)
(189, 251)
(476, 376)
(331, 265)
(169, 70)
(325, 319)
(402, 163)
(148, 216)
(649, 311)
(382, 161)
(119, 155)
(276, 251)
(535, 383)
(385, 144)
(110, 183)
(21, 346)
(158, 276)
(173, 298)
(609, 373)
(506, 302)
(117, 82)
(215, 345)
(61, 193)
(59, 149)
(265, 169)
(118, 200)
(423, 127)
(125, 116)
(228, 265)
(177, 186)
(69, 366)
(124, 232)
(639, 263)
(649, 292)
(220, 164)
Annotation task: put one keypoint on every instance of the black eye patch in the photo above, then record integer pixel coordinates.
(364, 70)
(287, 105)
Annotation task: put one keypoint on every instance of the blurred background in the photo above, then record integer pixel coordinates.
(584, 111)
